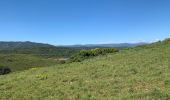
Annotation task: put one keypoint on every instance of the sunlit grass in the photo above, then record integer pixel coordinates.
(134, 74)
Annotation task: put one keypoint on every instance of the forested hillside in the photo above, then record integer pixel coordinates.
(14, 45)
(38, 49)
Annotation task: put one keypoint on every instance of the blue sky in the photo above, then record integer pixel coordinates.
(84, 21)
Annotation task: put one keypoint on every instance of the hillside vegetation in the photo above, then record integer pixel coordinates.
(37, 49)
(89, 53)
(20, 62)
(15, 45)
(47, 52)
(51, 51)
(140, 73)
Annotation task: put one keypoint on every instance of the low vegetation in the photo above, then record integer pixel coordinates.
(84, 54)
(154, 45)
(46, 52)
(140, 73)
(4, 70)
(20, 62)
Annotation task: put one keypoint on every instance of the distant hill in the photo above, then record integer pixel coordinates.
(27, 44)
(47, 50)
(39, 49)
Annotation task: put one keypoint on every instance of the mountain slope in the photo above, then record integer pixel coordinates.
(141, 73)
(20, 62)
(39, 49)
(15, 45)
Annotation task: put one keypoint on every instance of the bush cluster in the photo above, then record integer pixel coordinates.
(167, 41)
(84, 54)
(4, 70)
(154, 45)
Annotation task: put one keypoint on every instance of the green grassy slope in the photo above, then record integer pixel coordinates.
(19, 62)
(141, 73)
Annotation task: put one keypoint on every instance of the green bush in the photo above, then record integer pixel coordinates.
(166, 41)
(153, 45)
(61, 61)
(4, 70)
(84, 54)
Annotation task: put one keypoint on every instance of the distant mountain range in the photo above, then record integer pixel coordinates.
(15, 45)
(27, 44)
(47, 50)
(114, 45)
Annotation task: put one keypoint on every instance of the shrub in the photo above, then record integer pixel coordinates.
(96, 52)
(4, 70)
(84, 54)
(166, 41)
(61, 61)
(42, 76)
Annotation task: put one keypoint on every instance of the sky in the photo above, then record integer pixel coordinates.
(67, 22)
